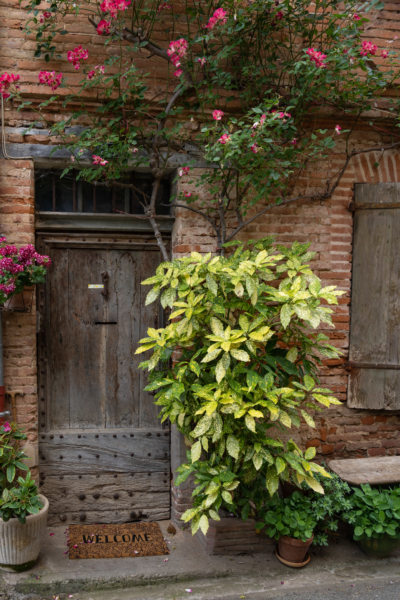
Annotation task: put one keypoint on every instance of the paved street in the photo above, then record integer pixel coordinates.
(339, 572)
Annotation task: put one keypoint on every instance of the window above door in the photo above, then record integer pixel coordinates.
(69, 194)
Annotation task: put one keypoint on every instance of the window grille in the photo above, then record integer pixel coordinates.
(68, 194)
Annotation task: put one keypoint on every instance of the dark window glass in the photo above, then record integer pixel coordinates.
(69, 194)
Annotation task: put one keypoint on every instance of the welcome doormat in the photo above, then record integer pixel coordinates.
(116, 541)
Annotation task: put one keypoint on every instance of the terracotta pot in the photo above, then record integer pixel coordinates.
(292, 549)
(20, 542)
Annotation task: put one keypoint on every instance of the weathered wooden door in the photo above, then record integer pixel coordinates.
(104, 457)
(375, 301)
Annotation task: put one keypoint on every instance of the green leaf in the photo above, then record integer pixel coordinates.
(244, 323)
(292, 354)
(314, 485)
(152, 295)
(216, 326)
(286, 313)
(240, 355)
(310, 453)
(232, 446)
(308, 418)
(272, 481)
(212, 284)
(195, 451)
(257, 461)
(168, 297)
(202, 426)
(10, 473)
(203, 524)
(309, 382)
(250, 423)
(285, 419)
(227, 496)
(220, 370)
(280, 464)
(211, 355)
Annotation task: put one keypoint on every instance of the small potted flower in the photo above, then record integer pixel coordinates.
(374, 514)
(291, 521)
(19, 269)
(23, 511)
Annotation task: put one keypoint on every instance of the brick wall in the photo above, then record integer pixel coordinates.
(19, 329)
(328, 226)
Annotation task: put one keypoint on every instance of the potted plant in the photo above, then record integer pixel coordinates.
(236, 369)
(23, 512)
(374, 514)
(19, 269)
(291, 521)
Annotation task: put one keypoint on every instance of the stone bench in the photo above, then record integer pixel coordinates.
(375, 470)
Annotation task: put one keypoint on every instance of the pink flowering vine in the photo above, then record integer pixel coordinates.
(6, 427)
(99, 69)
(317, 57)
(45, 16)
(219, 16)
(224, 138)
(183, 171)
(187, 194)
(6, 80)
(255, 148)
(385, 53)
(177, 50)
(103, 27)
(338, 129)
(51, 78)
(76, 55)
(368, 48)
(114, 6)
(97, 160)
(218, 114)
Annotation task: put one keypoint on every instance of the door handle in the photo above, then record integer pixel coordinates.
(105, 279)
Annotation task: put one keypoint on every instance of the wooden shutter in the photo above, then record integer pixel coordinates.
(375, 302)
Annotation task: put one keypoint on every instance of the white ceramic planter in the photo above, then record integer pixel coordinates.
(20, 542)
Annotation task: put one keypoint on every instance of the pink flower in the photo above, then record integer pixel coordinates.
(187, 194)
(224, 138)
(317, 57)
(113, 6)
(294, 142)
(163, 6)
(219, 16)
(385, 53)
(6, 427)
(368, 48)
(103, 27)
(255, 148)
(97, 160)
(44, 16)
(6, 80)
(202, 61)
(77, 55)
(98, 69)
(183, 171)
(217, 115)
(356, 17)
(338, 129)
(51, 78)
(283, 115)
(177, 49)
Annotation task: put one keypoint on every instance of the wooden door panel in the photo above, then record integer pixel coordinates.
(99, 429)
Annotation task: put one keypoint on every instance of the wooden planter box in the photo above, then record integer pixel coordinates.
(231, 535)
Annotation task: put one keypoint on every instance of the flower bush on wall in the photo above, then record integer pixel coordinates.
(19, 268)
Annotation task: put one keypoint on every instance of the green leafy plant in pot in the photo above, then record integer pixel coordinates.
(23, 511)
(374, 514)
(291, 521)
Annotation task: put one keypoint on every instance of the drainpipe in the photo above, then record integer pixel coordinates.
(3, 412)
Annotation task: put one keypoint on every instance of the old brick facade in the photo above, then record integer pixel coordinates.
(328, 226)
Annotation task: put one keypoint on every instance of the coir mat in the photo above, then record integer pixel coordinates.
(116, 541)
